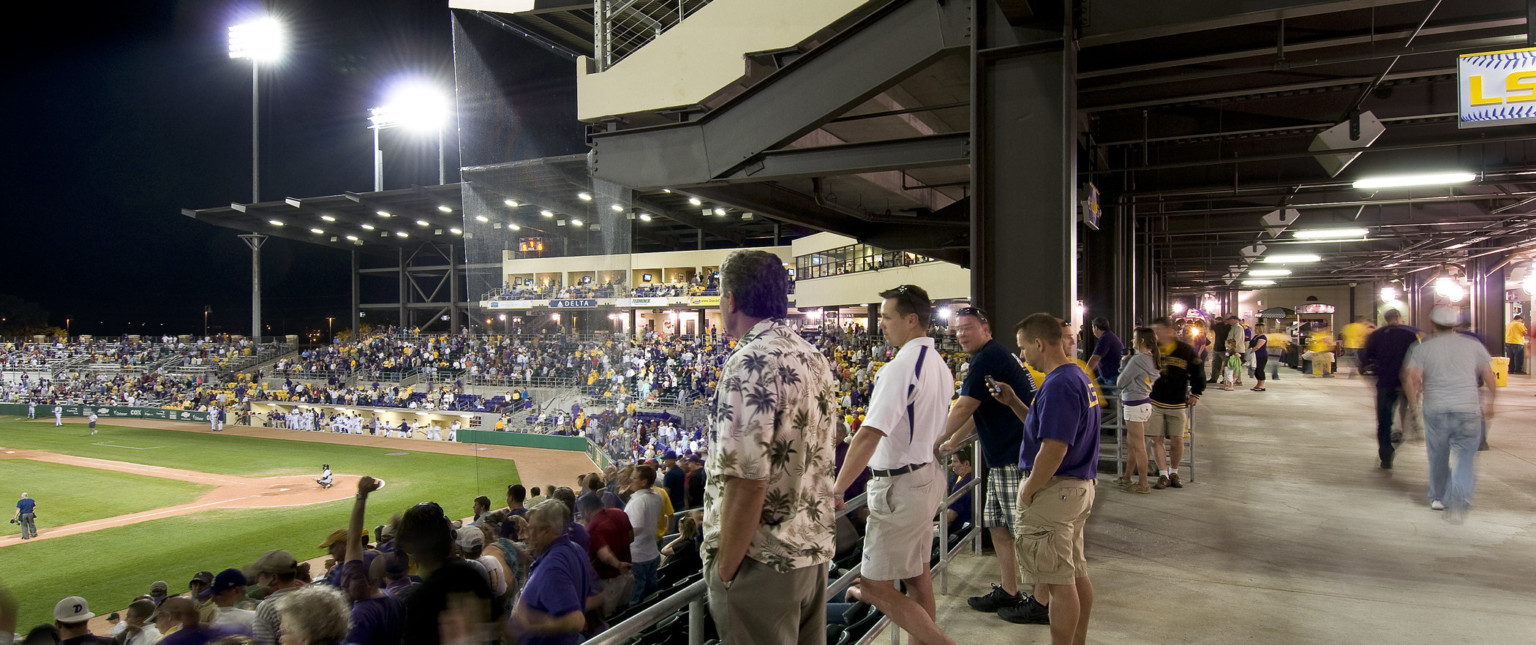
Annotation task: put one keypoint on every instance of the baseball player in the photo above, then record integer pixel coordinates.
(31, 410)
(92, 420)
(325, 476)
(58, 415)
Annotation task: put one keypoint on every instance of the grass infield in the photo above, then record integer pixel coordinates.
(110, 566)
(92, 494)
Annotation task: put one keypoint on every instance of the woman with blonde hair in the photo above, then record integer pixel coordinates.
(1142, 367)
(314, 615)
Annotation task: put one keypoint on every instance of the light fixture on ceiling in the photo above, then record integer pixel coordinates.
(1331, 234)
(1292, 258)
(575, 222)
(456, 231)
(1269, 273)
(546, 213)
(445, 209)
(275, 222)
(367, 227)
(617, 208)
(584, 196)
(1450, 288)
(1424, 179)
(352, 238)
(510, 202)
(317, 231)
(645, 217)
(1258, 283)
(383, 213)
(720, 212)
(1388, 294)
(482, 218)
(328, 218)
(402, 234)
(422, 222)
(695, 201)
(514, 227)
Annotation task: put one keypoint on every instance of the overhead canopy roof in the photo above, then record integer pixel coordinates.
(1198, 120)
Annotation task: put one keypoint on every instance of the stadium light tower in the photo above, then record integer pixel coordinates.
(262, 40)
(419, 107)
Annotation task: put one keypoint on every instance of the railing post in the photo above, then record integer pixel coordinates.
(696, 621)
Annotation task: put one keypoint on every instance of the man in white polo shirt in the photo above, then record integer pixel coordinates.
(906, 417)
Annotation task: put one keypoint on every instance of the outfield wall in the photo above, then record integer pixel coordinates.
(107, 412)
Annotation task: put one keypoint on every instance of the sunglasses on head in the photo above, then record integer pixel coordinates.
(972, 311)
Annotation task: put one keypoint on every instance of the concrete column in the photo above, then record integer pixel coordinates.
(1486, 301)
(357, 295)
(1023, 206)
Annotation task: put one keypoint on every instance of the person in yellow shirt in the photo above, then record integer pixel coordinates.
(1278, 343)
(1354, 340)
(1514, 344)
(1320, 346)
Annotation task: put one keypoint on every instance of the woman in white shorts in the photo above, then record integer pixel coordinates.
(1140, 369)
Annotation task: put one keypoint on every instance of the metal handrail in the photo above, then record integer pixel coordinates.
(693, 595)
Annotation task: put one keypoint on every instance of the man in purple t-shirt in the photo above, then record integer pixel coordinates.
(1060, 460)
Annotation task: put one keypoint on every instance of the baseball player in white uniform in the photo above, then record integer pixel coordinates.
(58, 415)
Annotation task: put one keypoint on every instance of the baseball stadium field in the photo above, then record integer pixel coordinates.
(131, 505)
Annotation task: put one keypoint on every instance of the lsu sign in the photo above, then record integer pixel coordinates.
(1496, 88)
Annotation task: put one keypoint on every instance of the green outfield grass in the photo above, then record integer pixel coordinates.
(70, 494)
(109, 567)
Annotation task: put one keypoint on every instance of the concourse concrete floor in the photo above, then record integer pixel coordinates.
(1290, 533)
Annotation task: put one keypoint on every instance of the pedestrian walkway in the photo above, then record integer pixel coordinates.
(1291, 534)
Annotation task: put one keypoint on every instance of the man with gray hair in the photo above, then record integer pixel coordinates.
(1446, 368)
(768, 512)
(26, 516)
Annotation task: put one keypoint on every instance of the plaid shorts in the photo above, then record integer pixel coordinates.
(1002, 496)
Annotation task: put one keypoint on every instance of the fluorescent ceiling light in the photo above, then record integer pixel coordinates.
(1269, 273)
(510, 202)
(445, 209)
(695, 201)
(645, 217)
(720, 212)
(1426, 179)
(585, 196)
(317, 231)
(482, 218)
(617, 208)
(456, 231)
(546, 213)
(575, 222)
(1294, 258)
(367, 227)
(328, 218)
(1257, 283)
(422, 222)
(275, 222)
(515, 227)
(402, 234)
(1331, 234)
(352, 238)
(382, 213)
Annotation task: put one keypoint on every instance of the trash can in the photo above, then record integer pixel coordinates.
(1500, 367)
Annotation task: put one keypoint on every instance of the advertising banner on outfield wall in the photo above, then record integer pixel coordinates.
(108, 412)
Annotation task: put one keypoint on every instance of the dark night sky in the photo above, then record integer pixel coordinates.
(124, 114)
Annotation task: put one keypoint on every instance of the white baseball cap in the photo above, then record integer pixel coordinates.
(72, 610)
(1445, 316)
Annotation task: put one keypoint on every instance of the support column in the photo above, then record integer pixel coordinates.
(454, 288)
(357, 296)
(1487, 301)
(1420, 300)
(1023, 206)
(255, 241)
(405, 286)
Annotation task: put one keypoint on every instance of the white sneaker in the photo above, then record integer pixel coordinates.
(1436, 505)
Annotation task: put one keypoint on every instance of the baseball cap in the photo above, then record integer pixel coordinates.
(159, 588)
(470, 538)
(226, 580)
(73, 609)
(1445, 316)
(274, 561)
(205, 577)
(670, 454)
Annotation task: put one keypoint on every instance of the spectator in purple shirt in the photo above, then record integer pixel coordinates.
(1382, 357)
(551, 609)
(377, 617)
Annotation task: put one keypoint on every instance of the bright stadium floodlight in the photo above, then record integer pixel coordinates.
(720, 212)
(413, 105)
(262, 40)
(1294, 258)
(1258, 283)
(1425, 179)
(275, 222)
(1269, 273)
(1331, 234)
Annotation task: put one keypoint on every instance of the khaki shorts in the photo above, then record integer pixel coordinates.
(1168, 422)
(898, 537)
(1049, 532)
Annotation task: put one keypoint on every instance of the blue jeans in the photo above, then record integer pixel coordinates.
(1274, 364)
(1444, 433)
(645, 577)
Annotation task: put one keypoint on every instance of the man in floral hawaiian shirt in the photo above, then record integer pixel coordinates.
(768, 516)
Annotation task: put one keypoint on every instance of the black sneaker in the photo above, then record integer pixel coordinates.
(995, 600)
(1029, 612)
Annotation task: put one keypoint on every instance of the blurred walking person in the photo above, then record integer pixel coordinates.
(1382, 357)
(1514, 344)
(1445, 369)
